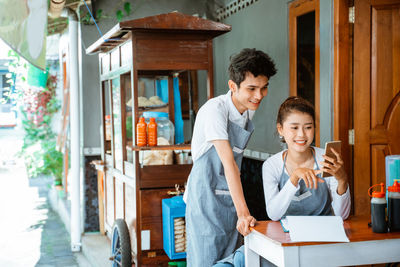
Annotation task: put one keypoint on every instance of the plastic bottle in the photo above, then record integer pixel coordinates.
(141, 133)
(394, 207)
(152, 132)
(378, 209)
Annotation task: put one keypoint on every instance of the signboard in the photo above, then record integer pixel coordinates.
(23, 26)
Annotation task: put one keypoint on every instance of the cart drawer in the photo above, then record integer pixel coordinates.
(162, 176)
(151, 214)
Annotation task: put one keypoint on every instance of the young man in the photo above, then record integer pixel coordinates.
(214, 194)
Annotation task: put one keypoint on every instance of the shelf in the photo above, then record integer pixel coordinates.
(153, 109)
(170, 147)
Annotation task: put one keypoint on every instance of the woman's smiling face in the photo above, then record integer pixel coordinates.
(297, 130)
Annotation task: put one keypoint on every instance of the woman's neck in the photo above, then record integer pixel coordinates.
(300, 158)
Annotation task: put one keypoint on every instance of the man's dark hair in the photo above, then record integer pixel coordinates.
(250, 60)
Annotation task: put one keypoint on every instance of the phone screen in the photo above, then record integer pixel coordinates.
(337, 146)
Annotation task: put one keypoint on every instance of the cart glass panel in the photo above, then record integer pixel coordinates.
(128, 123)
(117, 125)
(107, 117)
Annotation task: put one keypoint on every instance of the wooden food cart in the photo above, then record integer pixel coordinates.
(130, 192)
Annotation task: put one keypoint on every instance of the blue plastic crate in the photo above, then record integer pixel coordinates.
(172, 209)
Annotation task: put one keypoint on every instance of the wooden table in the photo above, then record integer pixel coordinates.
(365, 247)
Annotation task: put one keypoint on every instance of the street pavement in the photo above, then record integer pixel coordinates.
(31, 233)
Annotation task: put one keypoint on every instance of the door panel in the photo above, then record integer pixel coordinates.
(376, 93)
(392, 120)
(378, 153)
(119, 199)
(382, 88)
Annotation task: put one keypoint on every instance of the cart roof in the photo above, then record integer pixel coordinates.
(169, 22)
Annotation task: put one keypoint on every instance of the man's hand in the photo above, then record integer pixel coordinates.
(243, 224)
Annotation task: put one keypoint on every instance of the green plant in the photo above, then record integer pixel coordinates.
(87, 19)
(127, 8)
(38, 105)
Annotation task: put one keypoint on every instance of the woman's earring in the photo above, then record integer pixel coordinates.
(281, 137)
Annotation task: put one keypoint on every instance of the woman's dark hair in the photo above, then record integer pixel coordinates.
(250, 60)
(294, 104)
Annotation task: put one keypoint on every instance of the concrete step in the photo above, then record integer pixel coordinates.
(96, 248)
(82, 260)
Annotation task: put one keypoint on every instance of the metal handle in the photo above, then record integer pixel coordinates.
(177, 191)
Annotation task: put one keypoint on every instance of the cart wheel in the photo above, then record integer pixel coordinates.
(120, 245)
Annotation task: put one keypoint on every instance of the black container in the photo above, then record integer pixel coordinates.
(394, 214)
(394, 207)
(378, 210)
(378, 217)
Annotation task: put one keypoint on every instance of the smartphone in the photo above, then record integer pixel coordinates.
(337, 146)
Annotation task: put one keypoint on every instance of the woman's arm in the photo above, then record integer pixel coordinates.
(277, 202)
(341, 204)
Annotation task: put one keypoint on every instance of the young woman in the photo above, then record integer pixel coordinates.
(290, 177)
(292, 185)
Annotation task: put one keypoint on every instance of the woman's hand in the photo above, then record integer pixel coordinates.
(309, 176)
(335, 168)
(243, 224)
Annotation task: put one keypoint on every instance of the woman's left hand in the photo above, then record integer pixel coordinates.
(334, 166)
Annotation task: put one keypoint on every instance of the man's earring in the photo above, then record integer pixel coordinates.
(281, 137)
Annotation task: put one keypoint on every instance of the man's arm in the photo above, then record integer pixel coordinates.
(232, 175)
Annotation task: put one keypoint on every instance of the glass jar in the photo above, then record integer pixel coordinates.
(165, 128)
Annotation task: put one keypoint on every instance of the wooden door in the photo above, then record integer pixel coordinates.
(376, 93)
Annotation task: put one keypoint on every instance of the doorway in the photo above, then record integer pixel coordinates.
(304, 54)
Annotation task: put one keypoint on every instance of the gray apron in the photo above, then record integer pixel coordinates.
(308, 201)
(210, 214)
